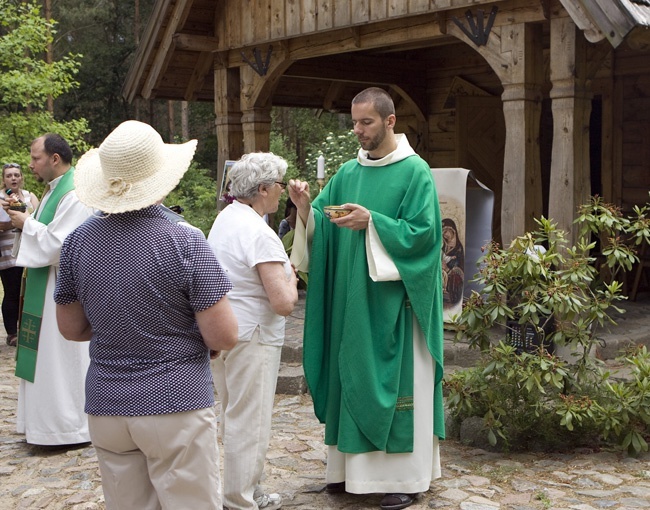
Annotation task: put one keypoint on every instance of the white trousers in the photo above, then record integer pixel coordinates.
(367, 473)
(245, 378)
(166, 461)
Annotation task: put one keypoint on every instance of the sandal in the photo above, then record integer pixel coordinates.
(269, 501)
(11, 340)
(396, 501)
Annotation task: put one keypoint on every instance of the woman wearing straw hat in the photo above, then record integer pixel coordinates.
(151, 298)
(265, 292)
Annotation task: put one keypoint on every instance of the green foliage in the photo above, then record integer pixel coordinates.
(299, 136)
(517, 395)
(307, 135)
(337, 148)
(537, 396)
(26, 81)
(280, 147)
(623, 410)
(536, 401)
(197, 196)
(104, 32)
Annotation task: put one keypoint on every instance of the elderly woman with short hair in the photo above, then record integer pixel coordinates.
(265, 291)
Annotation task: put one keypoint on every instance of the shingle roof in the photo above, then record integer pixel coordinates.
(611, 19)
(640, 9)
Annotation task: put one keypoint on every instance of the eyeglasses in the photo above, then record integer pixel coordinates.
(11, 165)
(283, 185)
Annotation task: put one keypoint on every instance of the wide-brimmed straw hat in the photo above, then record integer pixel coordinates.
(132, 169)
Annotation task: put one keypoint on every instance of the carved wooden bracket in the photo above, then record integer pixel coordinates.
(259, 66)
(476, 32)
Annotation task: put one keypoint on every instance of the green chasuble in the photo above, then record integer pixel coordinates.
(34, 290)
(358, 355)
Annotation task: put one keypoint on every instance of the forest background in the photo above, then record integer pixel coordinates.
(62, 67)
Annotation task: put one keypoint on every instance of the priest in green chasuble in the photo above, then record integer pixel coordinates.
(52, 370)
(373, 339)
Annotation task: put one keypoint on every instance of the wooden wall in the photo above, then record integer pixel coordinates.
(279, 19)
(464, 63)
(635, 129)
(623, 84)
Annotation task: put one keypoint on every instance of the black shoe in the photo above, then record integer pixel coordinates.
(335, 488)
(56, 448)
(396, 501)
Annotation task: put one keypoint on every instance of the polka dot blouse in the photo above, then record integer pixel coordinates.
(140, 279)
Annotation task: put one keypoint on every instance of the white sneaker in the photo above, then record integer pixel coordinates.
(269, 501)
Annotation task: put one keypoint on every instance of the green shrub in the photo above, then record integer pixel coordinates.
(536, 396)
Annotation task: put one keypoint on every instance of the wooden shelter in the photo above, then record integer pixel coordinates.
(546, 101)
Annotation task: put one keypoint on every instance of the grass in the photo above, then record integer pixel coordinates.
(542, 497)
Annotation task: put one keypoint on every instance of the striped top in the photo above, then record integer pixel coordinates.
(7, 236)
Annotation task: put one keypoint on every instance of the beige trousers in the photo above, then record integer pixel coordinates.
(245, 378)
(167, 461)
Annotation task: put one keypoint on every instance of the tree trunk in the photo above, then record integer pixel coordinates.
(170, 118)
(48, 53)
(185, 120)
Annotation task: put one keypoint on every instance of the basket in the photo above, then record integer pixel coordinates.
(525, 338)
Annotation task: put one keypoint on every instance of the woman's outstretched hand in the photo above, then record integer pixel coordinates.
(299, 194)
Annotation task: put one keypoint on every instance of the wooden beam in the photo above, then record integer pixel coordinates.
(333, 92)
(145, 49)
(375, 35)
(203, 67)
(596, 55)
(355, 68)
(165, 50)
(190, 42)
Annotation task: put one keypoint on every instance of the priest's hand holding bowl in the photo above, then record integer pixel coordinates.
(357, 219)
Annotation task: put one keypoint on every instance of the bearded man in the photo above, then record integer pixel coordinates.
(373, 323)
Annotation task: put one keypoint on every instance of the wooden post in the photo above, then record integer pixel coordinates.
(571, 105)
(230, 142)
(256, 92)
(522, 187)
(256, 123)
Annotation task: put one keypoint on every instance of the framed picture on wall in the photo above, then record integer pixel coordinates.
(224, 191)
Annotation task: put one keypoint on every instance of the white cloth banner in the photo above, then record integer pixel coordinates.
(466, 226)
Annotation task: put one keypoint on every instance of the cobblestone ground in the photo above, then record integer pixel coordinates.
(32, 477)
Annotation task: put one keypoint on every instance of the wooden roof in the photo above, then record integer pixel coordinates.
(181, 43)
(616, 20)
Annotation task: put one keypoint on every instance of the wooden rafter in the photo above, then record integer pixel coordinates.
(203, 67)
(333, 92)
(191, 42)
(165, 49)
(356, 68)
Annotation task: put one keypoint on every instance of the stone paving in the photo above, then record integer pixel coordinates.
(473, 479)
